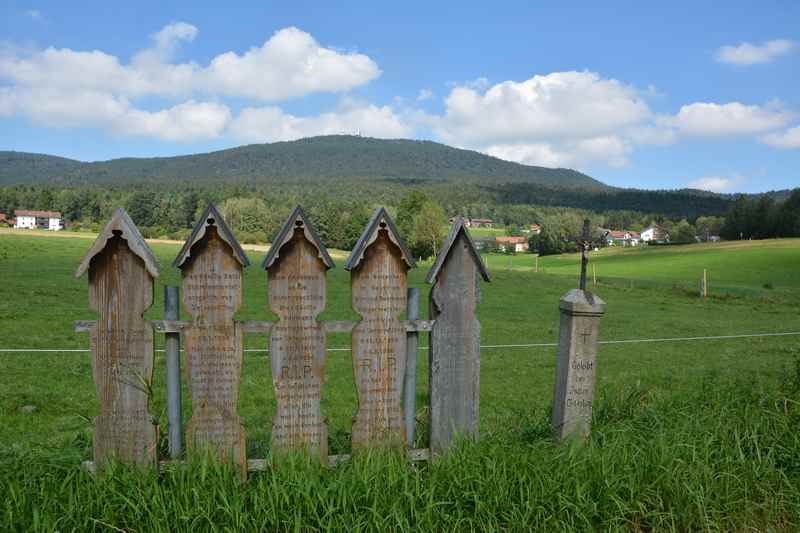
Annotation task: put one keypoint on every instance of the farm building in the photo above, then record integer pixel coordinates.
(5, 220)
(49, 220)
(622, 238)
(536, 229)
(519, 244)
(476, 222)
(655, 234)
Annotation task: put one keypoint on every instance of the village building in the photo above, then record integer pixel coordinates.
(622, 238)
(516, 244)
(5, 220)
(536, 229)
(655, 234)
(475, 222)
(49, 220)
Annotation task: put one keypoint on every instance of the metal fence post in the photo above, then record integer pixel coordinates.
(172, 347)
(410, 385)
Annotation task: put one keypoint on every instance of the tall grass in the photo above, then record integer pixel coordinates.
(722, 456)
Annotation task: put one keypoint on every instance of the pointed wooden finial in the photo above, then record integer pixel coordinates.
(380, 221)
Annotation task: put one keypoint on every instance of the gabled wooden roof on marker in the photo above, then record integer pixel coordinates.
(297, 219)
(211, 217)
(371, 233)
(120, 221)
(458, 227)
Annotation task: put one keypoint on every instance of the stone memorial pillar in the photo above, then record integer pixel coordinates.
(297, 264)
(212, 263)
(121, 272)
(577, 362)
(577, 356)
(378, 264)
(455, 339)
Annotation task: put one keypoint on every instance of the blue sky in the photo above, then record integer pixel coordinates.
(632, 93)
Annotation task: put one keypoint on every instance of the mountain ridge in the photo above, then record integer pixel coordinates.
(311, 158)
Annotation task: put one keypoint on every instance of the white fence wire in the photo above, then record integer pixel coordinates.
(483, 347)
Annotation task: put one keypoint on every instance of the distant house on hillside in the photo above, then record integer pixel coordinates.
(518, 244)
(655, 234)
(476, 222)
(4, 220)
(622, 238)
(536, 229)
(49, 220)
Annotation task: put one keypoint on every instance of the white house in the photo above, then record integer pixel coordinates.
(49, 220)
(622, 238)
(655, 233)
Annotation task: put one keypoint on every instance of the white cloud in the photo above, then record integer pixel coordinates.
(290, 64)
(560, 118)
(424, 94)
(60, 87)
(751, 54)
(715, 184)
(785, 140)
(706, 119)
(270, 123)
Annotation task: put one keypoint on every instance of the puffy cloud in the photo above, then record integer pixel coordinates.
(289, 64)
(715, 183)
(785, 140)
(270, 123)
(555, 119)
(706, 119)
(751, 54)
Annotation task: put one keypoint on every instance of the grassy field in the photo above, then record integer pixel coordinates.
(689, 435)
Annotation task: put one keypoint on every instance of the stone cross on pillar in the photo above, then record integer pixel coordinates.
(577, 356)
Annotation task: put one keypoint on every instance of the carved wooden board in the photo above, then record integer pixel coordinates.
(379, 344)
(121, 290)
(455, 348)
(212, 293)
(297, 347)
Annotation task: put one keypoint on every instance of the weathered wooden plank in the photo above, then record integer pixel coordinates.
(296, 269)
(455, 340)
(212, 293)
(121, 269)
(378, 278)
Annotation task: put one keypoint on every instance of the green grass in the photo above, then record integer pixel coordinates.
(696, 435)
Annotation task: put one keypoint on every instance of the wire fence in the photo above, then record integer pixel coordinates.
(483, 347)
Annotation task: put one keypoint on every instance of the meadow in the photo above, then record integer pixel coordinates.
(688, 435)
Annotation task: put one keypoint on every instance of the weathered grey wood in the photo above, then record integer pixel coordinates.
(573, 393)
(455, 340)
(170, 326)
(172, 347)
(410, 381)
(211, 218)
(378, 268)
(296, 267)
(84, 326)
(121, 270)
(212, 293)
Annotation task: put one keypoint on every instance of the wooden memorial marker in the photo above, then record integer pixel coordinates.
(212, 262)
(378, 264)
(455, 338)
(296, 265)
(121, 272)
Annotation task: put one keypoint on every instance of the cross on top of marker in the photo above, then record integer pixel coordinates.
(585, 242)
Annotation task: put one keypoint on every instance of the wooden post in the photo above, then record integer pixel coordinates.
(704, 285)
(121, 272)
(410, 386)
(455, 339)
(172, 347)
(594, 276)
(536, 263)
(211, 262)
(378, 265)
(297, 264)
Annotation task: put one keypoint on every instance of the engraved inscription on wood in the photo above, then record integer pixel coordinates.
(379, 343)
(212, 293)
(121, 290)
(455, 347)
(297, 346)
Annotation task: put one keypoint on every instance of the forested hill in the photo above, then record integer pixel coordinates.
(314, 159)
